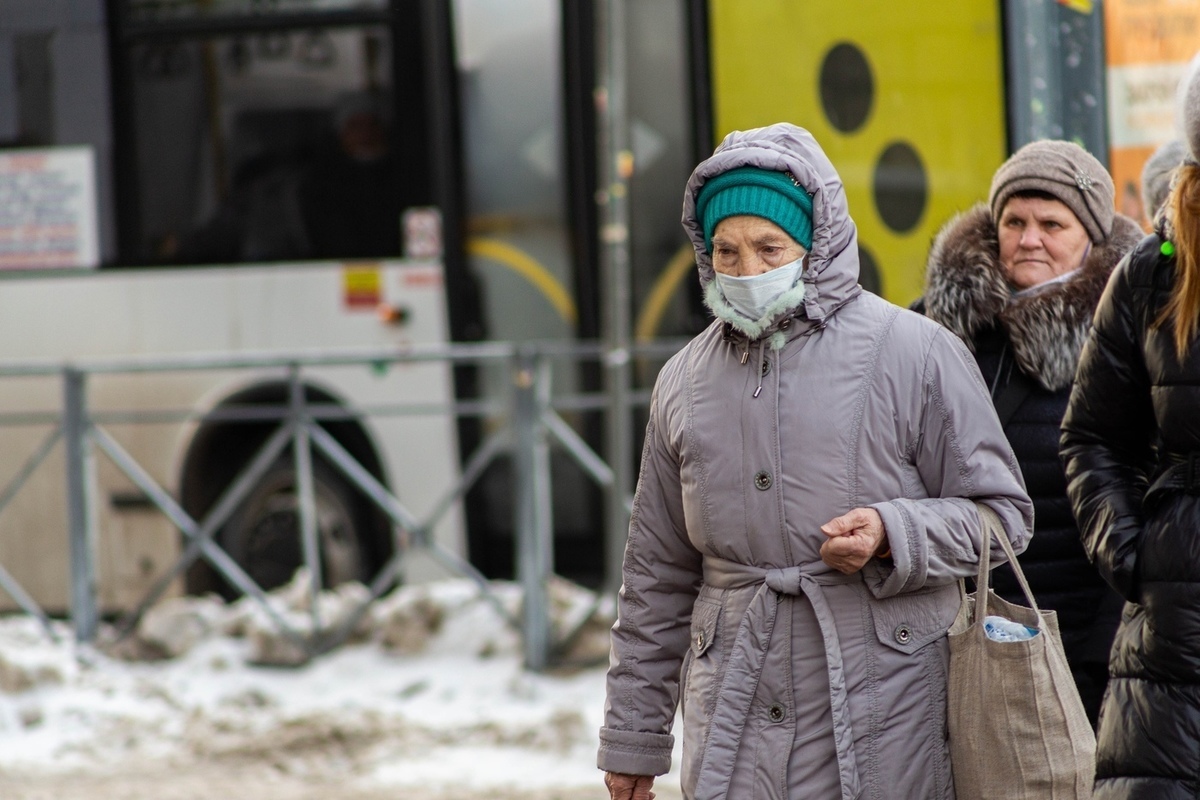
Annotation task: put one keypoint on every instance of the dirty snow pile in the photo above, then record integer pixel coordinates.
(429, 691)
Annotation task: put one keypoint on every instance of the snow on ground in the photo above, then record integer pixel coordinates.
(431, 701)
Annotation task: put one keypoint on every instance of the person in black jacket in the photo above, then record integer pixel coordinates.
(1131, 445)
(1018, 279)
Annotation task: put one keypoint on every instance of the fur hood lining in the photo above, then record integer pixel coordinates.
(966, 291)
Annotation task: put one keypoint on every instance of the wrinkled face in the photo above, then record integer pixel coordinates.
(1040, 239)
(747, 245)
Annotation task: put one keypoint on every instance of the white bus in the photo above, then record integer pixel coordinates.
(255, 162)
(268, 176)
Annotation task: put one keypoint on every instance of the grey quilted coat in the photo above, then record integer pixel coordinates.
(796, 681)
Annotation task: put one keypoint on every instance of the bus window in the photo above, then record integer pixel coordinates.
(32, 124)
(164, 10)
(269, 146)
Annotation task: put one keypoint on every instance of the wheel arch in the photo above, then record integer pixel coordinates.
(217, 449)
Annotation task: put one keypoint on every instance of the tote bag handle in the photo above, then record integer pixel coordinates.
(993, 528)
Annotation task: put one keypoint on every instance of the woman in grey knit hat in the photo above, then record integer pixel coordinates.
(1156, 176)
(1017, 279)
(1131, 446)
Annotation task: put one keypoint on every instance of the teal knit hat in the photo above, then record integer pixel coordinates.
(774, 196)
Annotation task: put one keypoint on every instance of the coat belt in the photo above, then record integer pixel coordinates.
(744, 669)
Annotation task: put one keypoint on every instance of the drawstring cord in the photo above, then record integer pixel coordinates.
(1000, 378)
(744, 357)
(761, 345)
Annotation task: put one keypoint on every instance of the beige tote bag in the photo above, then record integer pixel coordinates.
(1017, 727)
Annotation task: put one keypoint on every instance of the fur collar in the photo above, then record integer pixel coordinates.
(784, 307)
(965, 290)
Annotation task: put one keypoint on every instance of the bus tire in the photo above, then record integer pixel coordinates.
(264, 534)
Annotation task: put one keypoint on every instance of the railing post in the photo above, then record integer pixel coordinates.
(80, 511)
(305, 497)
(616, 171)
(535, 545)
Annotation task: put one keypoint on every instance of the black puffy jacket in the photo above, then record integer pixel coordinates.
(1027, 347)
(1132, 422)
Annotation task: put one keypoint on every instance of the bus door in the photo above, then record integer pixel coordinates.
(527, 82)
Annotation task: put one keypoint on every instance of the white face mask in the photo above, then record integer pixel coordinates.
(753, 294)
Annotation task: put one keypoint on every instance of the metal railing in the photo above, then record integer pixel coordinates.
(525, 426)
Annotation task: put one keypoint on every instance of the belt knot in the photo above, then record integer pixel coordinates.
(785, 580)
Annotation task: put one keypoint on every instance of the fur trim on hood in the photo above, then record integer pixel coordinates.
(755, 329)
(966, 291)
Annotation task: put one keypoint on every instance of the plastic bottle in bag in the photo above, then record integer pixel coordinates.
(1002, 629)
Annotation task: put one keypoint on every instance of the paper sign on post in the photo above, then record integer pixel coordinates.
(1148, 44)
(48, 208)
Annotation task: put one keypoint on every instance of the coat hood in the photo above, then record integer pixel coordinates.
(966, 291)
(830, 275)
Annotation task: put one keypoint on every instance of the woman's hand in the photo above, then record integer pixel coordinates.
(854, 539)
(629, 787)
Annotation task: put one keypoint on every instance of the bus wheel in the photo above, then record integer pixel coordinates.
(264, 535)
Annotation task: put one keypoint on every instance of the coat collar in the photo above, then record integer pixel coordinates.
(966, 291)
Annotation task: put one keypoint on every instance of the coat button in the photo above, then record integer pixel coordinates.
(903, 634)
(775, 712)
(700, 640)
(762, 481)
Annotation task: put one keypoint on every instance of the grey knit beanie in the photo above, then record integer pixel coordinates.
(1190, 108)
(1065, 171)
(1156, 175)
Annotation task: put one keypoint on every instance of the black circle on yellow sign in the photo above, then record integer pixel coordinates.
(900, 187)
(847, 88)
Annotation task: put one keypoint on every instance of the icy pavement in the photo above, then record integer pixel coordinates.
(432, 701)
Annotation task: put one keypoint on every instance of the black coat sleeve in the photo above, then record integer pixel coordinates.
(1106, 435)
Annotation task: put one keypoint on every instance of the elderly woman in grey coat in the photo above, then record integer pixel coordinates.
(805, 508)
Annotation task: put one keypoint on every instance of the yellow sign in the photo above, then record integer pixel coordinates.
(907, 99)
(361, 286)
(1082, 6)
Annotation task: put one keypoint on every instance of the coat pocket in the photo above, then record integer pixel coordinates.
(702, 665)
(701, 677)
(705, 616)
(907, 622)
